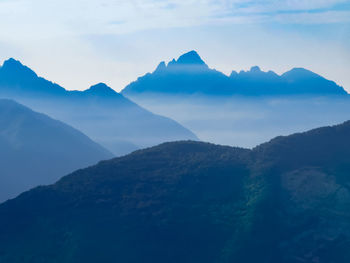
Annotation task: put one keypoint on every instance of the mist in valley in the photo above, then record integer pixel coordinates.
(119, 125)
(247, 121)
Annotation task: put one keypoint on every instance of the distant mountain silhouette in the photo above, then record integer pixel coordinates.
(190, 75)
(284, 201)
(103, 114)
(101, 89)
(36, 149)
(17, 78)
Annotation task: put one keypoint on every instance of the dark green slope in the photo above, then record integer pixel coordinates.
(285, 201)
(140, 206)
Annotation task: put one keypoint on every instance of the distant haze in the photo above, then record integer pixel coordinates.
(245, 109)
(86, 42)
(103, 114)
(247, 122)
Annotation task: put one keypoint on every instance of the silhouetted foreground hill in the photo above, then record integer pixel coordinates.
(103, 114)
(190, 75)
(36, 149)
(285, 201)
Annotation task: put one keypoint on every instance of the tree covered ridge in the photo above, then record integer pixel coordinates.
(284, 201)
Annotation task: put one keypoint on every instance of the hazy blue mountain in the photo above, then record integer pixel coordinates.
(190, 75)
(284, 201)
(247, 121)
(243, 109)
(103, 114)
(36, 149)
(16, 78)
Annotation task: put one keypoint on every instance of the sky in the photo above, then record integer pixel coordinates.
(80, 43)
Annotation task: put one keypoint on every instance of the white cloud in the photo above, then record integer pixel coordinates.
(53, 36)
(47, 18)
(327, 17)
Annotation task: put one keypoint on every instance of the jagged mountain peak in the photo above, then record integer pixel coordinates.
(190, 75)
(12, 62)
(300, 73)
(101, 89)
(255, 69)
(161, 66)
(190, 58)
(14, 66)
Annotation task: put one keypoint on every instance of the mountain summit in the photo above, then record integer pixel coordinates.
(15, 78)
(190, 58)
(188, 62)
(190, 75)
(12, 64)
(101, 89)
(187, 75)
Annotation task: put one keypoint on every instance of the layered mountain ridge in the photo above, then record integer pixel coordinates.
(189, 74)
(284, 201)
(37, 150)
(106, 116)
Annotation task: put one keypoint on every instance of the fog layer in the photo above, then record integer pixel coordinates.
(247, 121)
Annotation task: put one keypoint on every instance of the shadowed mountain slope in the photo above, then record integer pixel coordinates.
(284, 201)
(190, 75)
(36, 149)
(103, 114)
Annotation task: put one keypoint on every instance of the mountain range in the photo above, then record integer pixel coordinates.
(286, 200)
(189, 74)
(37, 150)
(104, 115)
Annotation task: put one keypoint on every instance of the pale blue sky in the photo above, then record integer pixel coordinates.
(79, 43)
